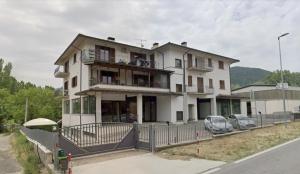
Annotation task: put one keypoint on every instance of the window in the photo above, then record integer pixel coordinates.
(211, 83)
(74, 81)
(190, 80)
(74, 58)
(66, 67)
(221, 65)
(104, 53)
(222, 84)
(178, 63)
(76, 106)
(209, 62)
(178, 88)
(179, 115)
(89, 105)
(67, 106)
(66, 84)
(236, 106)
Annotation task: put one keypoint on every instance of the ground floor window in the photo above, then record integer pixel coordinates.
(67, 106)
(76, 106)
(179, 115)
(223, 107)
(89, 105)
(236, 106)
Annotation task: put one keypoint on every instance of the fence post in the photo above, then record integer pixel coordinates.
(261, 120)
(136, 134)
(152, 137)
(168, 132)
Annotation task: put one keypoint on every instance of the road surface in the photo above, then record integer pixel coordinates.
(282, 160)
(8, 162)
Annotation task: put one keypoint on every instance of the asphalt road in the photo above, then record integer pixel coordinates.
(282, 160)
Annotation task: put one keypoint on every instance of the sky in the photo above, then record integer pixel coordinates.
(34, 33)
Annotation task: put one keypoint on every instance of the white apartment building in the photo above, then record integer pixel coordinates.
(108, 81)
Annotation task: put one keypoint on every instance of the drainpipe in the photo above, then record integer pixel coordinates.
(185, 109)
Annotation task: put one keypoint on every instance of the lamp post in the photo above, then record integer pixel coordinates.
(281, 73)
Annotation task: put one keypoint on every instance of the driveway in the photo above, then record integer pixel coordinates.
(8, 162)
(144, 163)
(281, 159)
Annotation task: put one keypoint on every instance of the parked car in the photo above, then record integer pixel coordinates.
(241, 122)
(217, 124)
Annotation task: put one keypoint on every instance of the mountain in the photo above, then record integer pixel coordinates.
(242, 76)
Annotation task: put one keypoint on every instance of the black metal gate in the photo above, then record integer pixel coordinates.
(93, 138)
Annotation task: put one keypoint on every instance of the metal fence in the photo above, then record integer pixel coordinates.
(265, 120)
(45, 138)
(97, 133)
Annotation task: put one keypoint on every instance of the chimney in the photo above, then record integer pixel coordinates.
(155, 45)
(184, 44)
(111, 38)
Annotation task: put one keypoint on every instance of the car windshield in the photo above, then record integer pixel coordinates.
(218, 120)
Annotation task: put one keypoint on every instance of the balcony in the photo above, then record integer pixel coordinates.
(196, 90)
(201, 67)
(89, 57)
(60, 72)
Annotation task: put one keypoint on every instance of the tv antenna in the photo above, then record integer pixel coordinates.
(142, 41)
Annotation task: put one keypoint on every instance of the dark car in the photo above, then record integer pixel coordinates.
(217, 124)
(241, 122)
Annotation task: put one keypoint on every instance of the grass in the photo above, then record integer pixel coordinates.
(234, 147)
(25, 154)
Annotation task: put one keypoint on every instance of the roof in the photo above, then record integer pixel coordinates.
(39, 122)
(82, 36)
(253, 85)
(194, 49)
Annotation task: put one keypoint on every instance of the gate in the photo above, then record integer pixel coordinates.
(94, 138)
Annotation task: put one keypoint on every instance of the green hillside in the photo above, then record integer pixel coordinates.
(242, 76)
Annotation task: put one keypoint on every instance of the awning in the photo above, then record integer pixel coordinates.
(39, 122)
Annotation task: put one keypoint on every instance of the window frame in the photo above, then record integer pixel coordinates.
(221, 64)
(74, 58)
(222, 84)
(178, 60)
(67, 105)
(177, 85)
(181, 115)
(190, 80)
(211, 83)
(89, 104)
(74, 81)
(77, 102)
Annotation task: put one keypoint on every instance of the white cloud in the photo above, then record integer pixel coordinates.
(34, 33)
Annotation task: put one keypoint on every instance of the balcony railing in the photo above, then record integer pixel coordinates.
(89, 57)
(164, 85)
(59, 72)
(203, 90)
(201, 67)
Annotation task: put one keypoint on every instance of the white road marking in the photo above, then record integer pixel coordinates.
(212, 171)
(265, 151)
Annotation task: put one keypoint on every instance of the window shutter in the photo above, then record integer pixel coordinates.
(112, 55)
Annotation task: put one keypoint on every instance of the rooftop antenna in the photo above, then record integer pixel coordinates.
(142, 42)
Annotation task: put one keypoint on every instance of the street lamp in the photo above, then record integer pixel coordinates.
(281, 73)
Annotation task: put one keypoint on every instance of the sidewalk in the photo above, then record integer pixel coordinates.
(145, 163)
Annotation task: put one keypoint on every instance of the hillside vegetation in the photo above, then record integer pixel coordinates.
(43, 101)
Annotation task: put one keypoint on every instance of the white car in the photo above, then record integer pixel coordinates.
(217, 124)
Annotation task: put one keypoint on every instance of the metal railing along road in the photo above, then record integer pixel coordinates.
(269, 119)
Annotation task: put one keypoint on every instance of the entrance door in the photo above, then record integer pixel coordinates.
(203, 108)
(149, 108)
(200, 85)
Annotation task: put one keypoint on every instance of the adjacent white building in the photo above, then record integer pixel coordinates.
(108, 81)
(267, 99)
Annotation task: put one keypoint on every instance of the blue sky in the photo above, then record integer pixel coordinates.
(34, 33)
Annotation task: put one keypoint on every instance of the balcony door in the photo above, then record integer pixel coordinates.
(190, 60)
(200, 85)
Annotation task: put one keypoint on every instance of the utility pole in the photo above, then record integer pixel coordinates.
(26, 110)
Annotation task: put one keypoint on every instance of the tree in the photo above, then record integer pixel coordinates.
(292, 78)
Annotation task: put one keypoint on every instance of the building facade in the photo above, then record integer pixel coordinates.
(268, 99)
(108, 81)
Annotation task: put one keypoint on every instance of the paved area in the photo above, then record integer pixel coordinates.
(283, 159)
(144, 163)
(8, 163)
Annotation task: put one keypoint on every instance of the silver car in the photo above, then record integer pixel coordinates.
(217, 124)
(241, 122)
